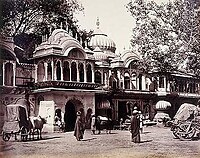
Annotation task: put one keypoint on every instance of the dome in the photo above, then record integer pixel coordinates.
(59, 43)
(163, 105)
(99, 55)
(102, 41)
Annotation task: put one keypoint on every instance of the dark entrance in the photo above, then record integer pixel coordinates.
(123, 110)
(70, 116)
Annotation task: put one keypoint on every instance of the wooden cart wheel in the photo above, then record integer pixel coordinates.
(6, 136)
(185, 134)
(24, 133)
(174, 130)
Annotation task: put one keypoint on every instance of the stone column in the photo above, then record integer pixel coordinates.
(143, 82)
(130, 79)
(14, 73)
(123, 86)
(3, 73)
(165, 84)
(92, 73)
(70, 72)
(52, 70)
(78, 77)
(118, 76)
(85, 74)
(61, 71)
(137, 83)
(36, 79)
(102, 81)
(45, 71)
(105, 78)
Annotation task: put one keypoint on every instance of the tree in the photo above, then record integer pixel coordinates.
(37, 16)
(165, 35)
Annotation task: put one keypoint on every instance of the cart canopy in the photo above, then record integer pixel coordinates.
(185, 111)
(13, 112)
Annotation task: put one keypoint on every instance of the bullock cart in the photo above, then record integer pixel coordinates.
(16, 122)
(187, 122)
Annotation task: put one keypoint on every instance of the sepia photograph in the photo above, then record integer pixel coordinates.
(100, 79)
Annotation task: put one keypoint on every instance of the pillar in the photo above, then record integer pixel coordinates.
(138, 82)
(61, 71)
(143, 83)
(45, 71)
(78, 77)
(123, 86)
(3, 73)
(14, 73)
(165, 84)
(102, 81)
(52, 70)
(70, 72)
(85, 75)
(36, 67)
(92, 74)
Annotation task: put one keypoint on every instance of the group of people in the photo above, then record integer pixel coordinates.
(95, 126)
(135, 126)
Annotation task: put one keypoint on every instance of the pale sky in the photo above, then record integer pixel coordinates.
(115, 20)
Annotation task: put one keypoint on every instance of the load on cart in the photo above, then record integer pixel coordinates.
(186, 123)
(17, 122)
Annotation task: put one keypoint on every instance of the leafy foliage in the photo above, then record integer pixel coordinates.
(165, 35)
(37, 16)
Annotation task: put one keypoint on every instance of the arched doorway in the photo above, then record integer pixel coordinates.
(70, 116)
(71, 108)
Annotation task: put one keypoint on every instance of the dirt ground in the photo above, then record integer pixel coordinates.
(157, 142)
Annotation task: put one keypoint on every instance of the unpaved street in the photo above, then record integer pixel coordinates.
(156, 142)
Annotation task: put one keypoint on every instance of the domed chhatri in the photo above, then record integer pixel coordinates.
(162, 105)
(59, 43)
(102, 41)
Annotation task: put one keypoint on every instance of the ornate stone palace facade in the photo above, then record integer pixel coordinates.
(66, 77)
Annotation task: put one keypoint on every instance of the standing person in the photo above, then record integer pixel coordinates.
(121, 124)
(98, 124)
(135, 126)
(109, 126)
(141, 121)
(78, 129)
(93, 125)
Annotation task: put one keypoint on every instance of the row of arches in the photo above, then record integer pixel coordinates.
(65, 71)
(68, 117)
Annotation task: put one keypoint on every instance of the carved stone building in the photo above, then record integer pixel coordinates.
(65, 78)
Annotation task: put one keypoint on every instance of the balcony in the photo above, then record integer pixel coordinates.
(66, 85)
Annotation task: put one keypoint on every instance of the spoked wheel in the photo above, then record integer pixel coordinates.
(184, 133)
(174, 130)
(24, 133)
(6, 136)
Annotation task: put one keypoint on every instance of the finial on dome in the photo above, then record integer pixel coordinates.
(97, 23)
